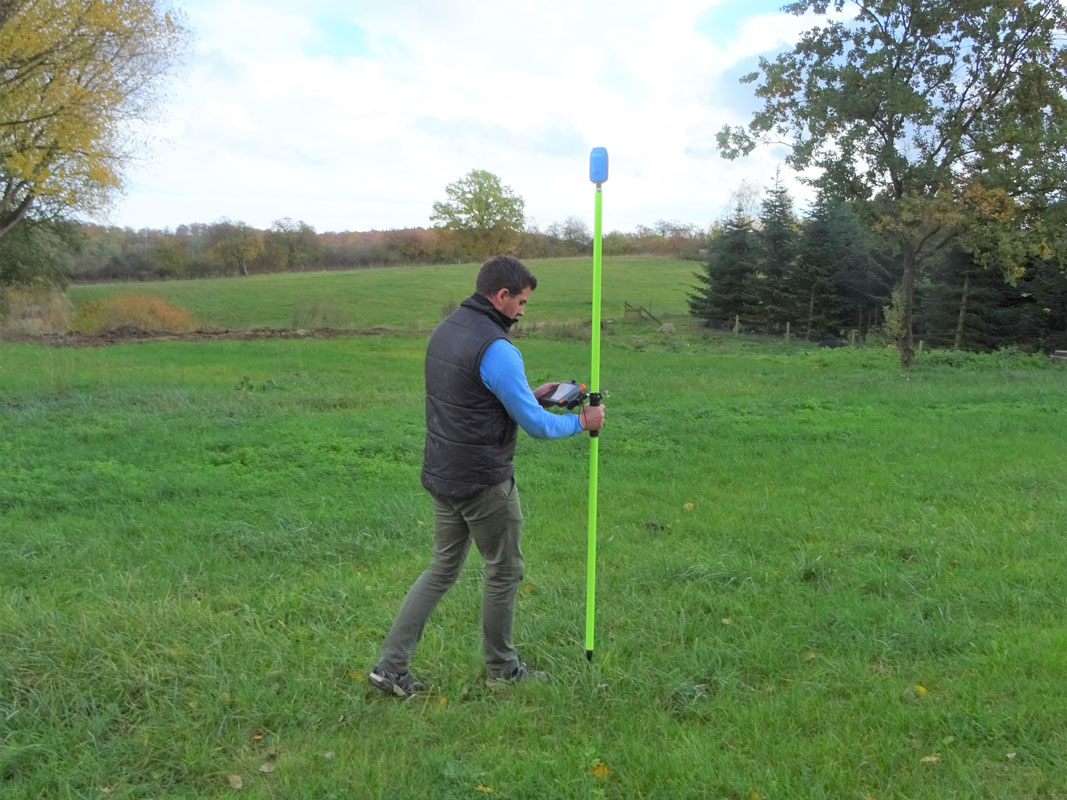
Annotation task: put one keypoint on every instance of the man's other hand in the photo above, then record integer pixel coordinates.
(592, 418)
(544, 390)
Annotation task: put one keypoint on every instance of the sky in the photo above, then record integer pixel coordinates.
(357, 115)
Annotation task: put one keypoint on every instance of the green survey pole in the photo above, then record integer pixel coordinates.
(598, 173)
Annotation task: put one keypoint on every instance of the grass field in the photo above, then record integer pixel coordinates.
(411, 298)
(818, 577)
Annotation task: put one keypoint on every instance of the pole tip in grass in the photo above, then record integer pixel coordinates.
(588, 655)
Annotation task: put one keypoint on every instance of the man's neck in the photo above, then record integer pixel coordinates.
(487, 305)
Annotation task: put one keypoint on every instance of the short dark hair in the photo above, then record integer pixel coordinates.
(504, 272)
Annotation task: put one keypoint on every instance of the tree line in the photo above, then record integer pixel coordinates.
(57, 251)
(832, 277)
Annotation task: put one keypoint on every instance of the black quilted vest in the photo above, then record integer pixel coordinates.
(470, 438)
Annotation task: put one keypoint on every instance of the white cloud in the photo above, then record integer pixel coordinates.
(272, 118)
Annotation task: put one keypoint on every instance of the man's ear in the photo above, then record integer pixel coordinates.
(498, 298)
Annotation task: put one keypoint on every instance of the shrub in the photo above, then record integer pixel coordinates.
(319, 314)
(139, 312)
(1006, 357)
(554, 331)
(448, 307)
(33, 311)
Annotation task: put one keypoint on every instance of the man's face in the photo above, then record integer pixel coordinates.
(511, 305)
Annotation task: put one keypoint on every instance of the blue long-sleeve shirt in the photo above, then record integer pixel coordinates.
(504, 374)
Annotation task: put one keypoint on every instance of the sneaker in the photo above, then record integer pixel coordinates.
(523, 672)
(398, 684)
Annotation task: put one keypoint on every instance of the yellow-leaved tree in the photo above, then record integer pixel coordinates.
(73, 75)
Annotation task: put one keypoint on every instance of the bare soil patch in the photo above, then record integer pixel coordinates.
(132, 335)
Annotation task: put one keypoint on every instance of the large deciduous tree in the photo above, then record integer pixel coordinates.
(487, 216)
(290, 245)
(73, 73)
(234, 246)
(921, 108)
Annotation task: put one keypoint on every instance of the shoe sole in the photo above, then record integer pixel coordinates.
(390, 688)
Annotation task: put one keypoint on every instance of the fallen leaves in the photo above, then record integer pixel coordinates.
(236, 782)
(930, 759)
(920, 690)
(267, 767)
(600, 771)
(486, 789)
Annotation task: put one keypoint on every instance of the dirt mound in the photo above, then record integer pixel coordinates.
(132, 335)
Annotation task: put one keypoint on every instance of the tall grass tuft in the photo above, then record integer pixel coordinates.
(321, 313)
(559, 331)
(132, 311)
(33, 311)
(448, 307)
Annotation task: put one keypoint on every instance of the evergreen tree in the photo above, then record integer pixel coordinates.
(818, 306)
(841, 277)
(726, 286)
(1042, 314)
(962, 306)
(778, 238)
(863, 272)
(968, 307)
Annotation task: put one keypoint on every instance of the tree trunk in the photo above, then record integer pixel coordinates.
(958, 345)
(12, 218)
(907, 297)
(811, 311)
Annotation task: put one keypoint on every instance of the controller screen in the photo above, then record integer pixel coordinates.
(562, 392)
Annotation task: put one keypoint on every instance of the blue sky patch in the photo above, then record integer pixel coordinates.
(337, 38)
(723, 20)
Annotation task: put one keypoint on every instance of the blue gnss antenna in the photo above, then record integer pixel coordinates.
(598, 165)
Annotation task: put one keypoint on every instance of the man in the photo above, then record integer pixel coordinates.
(477, 397)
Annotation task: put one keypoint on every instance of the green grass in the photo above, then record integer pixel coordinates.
(814, 573)
(411, 298)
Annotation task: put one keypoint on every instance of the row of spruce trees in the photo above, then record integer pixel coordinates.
(829, 277)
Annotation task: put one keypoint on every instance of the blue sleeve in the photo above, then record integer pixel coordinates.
(504, 374)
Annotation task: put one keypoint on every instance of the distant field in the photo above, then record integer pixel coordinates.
(818, 577)
(412, 297)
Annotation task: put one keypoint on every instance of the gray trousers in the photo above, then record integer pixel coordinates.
(491, 519)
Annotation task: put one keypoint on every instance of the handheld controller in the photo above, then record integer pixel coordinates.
(569, 394)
